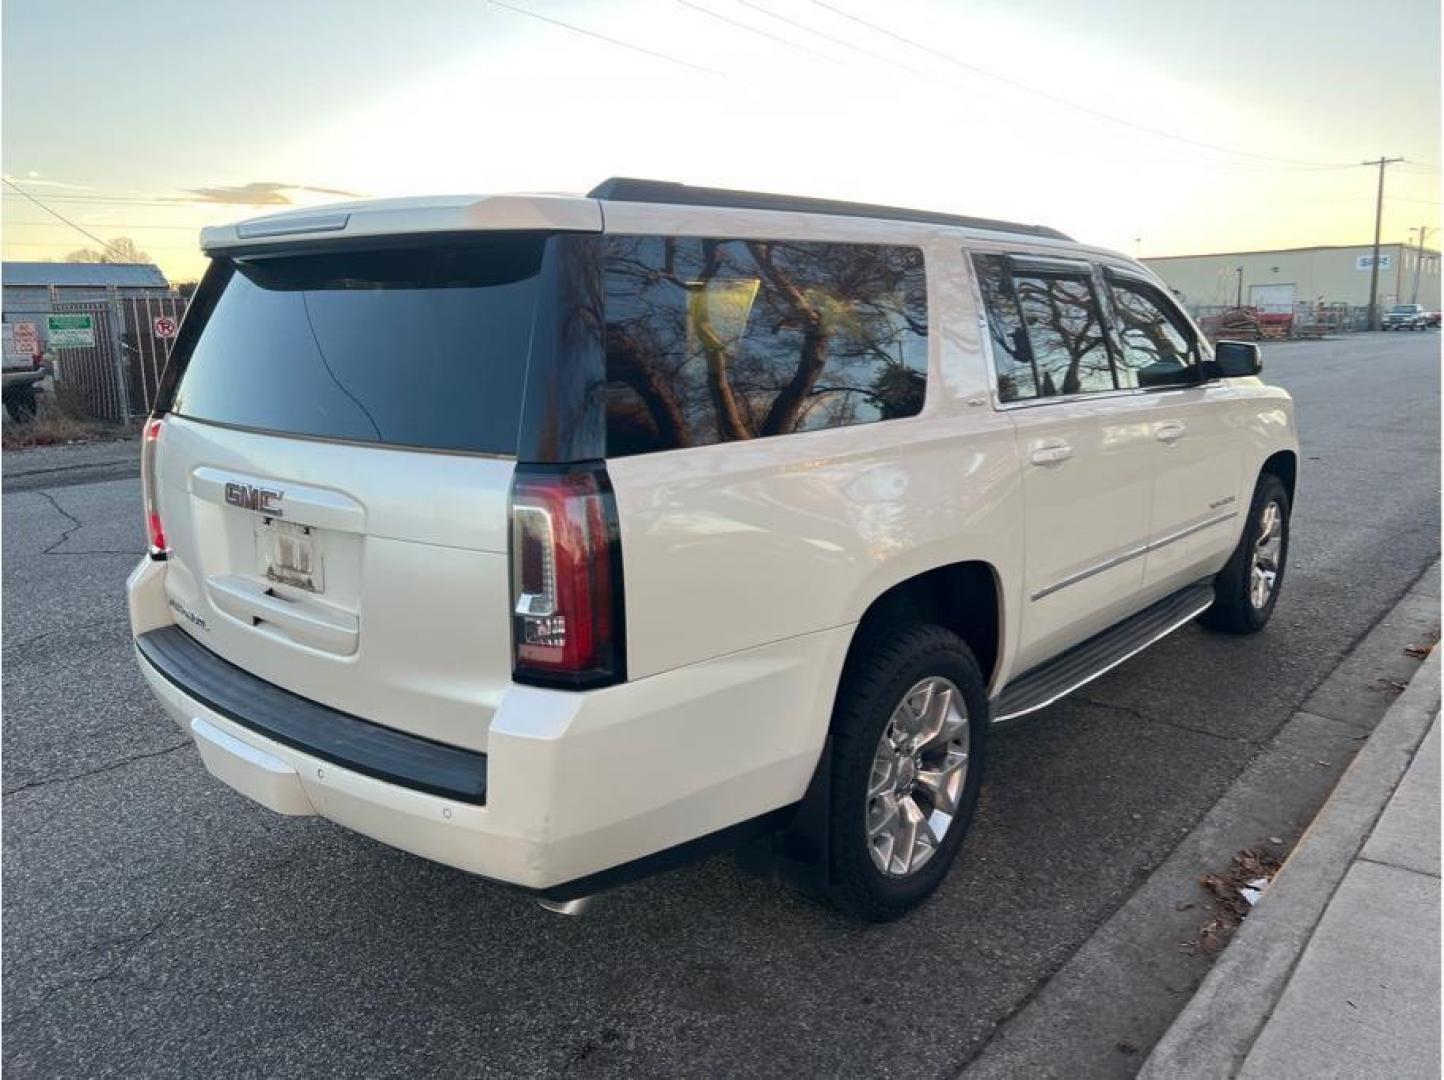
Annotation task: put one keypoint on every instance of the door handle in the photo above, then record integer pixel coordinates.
(1171, 432)
(1052, 452)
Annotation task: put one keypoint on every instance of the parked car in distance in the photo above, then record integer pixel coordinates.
(1406, 317)
(693, 519)
(1432, 319)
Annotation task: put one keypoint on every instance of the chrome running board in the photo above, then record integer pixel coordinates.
(1066, 672)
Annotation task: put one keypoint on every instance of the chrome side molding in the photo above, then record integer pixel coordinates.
(1133, 553)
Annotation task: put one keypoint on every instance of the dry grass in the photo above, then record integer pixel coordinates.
(60, 419)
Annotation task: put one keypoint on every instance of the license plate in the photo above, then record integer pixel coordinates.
(290, 554)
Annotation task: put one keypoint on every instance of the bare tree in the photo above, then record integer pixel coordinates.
(120, 250)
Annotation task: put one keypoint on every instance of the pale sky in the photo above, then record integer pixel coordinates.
(1151, 126)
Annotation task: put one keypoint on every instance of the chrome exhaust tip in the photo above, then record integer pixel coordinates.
(567, 907)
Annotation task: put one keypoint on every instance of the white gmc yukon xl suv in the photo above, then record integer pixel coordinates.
(565, 539)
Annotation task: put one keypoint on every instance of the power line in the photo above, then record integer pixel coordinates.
(1055, 99)
(103, 225)
(142, 201)
(58, 214)
(757, 30)
(603, 37)
(148, 247)
(835, 40)
(1392, 198)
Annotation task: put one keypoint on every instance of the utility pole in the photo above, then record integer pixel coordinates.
(1382, 163)
(1238, 300)
(1423, 231)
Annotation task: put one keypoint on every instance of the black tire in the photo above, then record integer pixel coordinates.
(20, 403)
(883, 668)
(1234, 610)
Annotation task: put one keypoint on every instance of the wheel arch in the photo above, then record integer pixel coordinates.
(1285, 465)
(965, 597)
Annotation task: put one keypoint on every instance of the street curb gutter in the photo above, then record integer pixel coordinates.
(1216, 1030)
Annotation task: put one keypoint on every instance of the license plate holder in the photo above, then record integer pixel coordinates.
(290, 554)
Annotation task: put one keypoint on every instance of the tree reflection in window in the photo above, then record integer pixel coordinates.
(712, 340)
(1017, 378)
(1065, 332)
(1157, 349)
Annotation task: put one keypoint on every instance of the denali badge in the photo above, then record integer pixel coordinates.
(261, 500)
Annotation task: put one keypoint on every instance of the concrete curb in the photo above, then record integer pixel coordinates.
(62, 466)
(1216, 1030)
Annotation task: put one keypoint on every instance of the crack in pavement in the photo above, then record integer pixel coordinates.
(23, 643)
(76, 523)
(131, 945)
(1139, 714)
(134, 552)
(32, 785)
(75, 526)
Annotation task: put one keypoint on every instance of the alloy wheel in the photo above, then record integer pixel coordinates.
(1267, 551)
(918, 775)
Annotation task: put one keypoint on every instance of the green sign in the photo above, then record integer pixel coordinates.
(70, 331)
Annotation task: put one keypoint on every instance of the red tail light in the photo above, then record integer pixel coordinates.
(566, 578)
(155, 531)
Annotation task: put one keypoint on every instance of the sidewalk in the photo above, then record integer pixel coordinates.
(1337, 971)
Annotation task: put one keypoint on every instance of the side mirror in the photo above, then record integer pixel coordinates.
(1236, 359)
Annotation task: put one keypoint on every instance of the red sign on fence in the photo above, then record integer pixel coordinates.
(165, 327)
(27, 338)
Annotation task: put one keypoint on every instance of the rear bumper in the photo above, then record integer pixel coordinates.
(313, 729)
(581, 790)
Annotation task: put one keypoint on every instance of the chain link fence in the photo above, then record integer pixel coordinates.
(148, 331)
(111, 370)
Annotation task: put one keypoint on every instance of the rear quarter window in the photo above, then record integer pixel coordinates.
(422, 346)
(716, 340)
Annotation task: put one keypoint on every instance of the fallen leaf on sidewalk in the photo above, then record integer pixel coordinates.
(1419, 652)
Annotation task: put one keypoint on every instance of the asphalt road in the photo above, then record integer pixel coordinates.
(156, 923)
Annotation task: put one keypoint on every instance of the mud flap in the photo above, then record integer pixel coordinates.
(796, 855)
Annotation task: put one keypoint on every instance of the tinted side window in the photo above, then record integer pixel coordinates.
(711, 340)
(1065, 331)
(1012, 358)
(1158, 347)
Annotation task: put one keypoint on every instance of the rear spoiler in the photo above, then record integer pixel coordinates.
(408, 217)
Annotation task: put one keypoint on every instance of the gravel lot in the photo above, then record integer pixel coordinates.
(156, 923)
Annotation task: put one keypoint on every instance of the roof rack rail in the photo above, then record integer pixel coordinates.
(628, 189)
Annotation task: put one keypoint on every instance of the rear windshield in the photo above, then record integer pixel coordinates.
(421, 346)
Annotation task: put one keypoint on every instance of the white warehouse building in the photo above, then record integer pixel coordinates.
(1310, 277)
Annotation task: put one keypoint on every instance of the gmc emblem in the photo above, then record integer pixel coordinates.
(261, 500)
